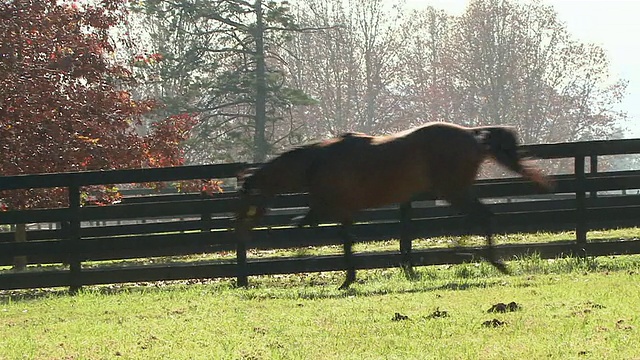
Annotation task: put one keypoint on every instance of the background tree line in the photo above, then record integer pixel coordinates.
(121, 84)
(367, 65)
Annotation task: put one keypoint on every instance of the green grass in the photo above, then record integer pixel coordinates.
(385, 245)
(570, 309)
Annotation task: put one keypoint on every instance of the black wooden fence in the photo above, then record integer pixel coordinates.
(182, 224)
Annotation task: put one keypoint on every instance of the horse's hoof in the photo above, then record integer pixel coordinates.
(409, 272)
(501, 266)
(345, 285)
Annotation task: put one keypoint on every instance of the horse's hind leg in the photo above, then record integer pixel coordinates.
(347, 239)
(312, 218)
(476, 209)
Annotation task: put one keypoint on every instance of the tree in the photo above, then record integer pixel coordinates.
(324, 64)
(516, 64)
(233, 72)
(63, 100)
(350, 65)
(428, 85)
(501, 62)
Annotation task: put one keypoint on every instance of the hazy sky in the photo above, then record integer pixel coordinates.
(612, 24)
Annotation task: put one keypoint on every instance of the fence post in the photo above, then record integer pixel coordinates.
(241, 258)
(406, 237)
(593, 169)
(205, 225)
(20, 235)
(581, 228)
(242, 233)
(73, 236)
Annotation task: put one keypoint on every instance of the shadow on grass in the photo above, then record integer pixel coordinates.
(262, 287)
(370, 282)
(449, 286)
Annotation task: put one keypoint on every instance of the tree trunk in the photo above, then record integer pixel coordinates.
(260, 141)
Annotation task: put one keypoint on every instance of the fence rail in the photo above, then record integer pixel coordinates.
(181, 224)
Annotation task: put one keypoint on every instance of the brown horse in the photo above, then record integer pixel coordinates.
(355, 171)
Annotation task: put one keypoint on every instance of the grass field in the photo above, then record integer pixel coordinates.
(567, 309)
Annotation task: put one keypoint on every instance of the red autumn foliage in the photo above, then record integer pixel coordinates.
(63, 103)
(172, 131)
(147, 59)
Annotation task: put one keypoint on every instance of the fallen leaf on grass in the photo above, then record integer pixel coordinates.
(438, 314)
(503, 308)
(493, 323)
(399, 317)
(622, 326)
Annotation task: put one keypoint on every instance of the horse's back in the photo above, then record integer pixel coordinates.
(451, 155)
(362, 171)
(289, 172)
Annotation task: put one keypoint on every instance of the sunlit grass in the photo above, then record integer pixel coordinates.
(569, 308)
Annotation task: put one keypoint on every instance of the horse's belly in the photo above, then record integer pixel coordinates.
(385, 190)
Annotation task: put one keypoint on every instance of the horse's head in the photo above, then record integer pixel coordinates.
(502, 144)
(252, 200)
(290, 172)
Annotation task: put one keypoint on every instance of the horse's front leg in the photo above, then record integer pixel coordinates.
(476, 209)
(348, 240)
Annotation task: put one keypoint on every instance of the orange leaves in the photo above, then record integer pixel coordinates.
(63, 102)
(162, 144)
(124, 97)
(211, 187)
(100, 195)
(208, 187)
(157, 57)
(142, 60)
